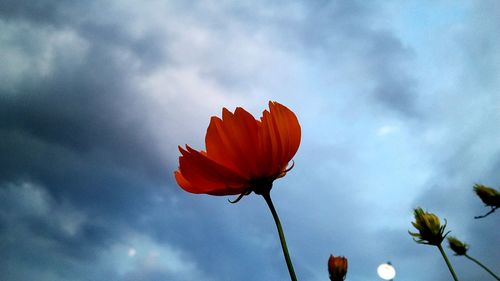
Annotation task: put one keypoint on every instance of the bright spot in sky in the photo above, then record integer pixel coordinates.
(386, 130)
(131, 252)
(386, 271)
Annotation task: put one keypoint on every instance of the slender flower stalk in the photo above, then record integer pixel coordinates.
(483, 266)
(431, 232)
(291, 271)
(460, 248)
(447, 262)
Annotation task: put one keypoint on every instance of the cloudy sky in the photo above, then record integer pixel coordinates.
(399, 103)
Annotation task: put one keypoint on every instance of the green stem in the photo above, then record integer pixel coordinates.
(267, 197)
(447, 262)
(481, 265)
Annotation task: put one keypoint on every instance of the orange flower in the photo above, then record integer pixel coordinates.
(242, 154)
(337, 267)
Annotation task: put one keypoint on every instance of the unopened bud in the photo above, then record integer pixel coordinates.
(488, 195)
(459, 247)
(337, 267)
(430, 230)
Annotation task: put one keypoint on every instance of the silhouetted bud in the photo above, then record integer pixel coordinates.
(488, 195)
(337, 267)
(459, 247)
(430, 230)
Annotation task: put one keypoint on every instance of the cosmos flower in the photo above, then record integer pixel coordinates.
(430, 230)
(459, 247)
(242, 154)
(337, 268)
(489, 196)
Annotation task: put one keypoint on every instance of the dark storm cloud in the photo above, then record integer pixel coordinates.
(85, 107)
(90, 160)
(80, 134)
(39, 11)
(43, 238)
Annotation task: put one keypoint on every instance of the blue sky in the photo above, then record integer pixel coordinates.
(399, 106)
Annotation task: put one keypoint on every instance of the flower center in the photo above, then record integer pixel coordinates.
(261, 186)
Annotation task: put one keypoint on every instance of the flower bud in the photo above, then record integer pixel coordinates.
(459, 247)
(430, 230)
(488, 195)
(337, 267)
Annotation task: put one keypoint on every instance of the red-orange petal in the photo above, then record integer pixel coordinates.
(249, 140)
(279, 138)
(269, 152)
(199, 174)
(183, 182)
(288, 129)
(232, 141)
(240, 150)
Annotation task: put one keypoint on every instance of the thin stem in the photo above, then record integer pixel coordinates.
(487, 214)
(481, 265)
(447, 262)
(289, 264)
